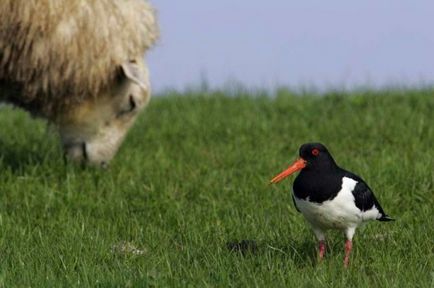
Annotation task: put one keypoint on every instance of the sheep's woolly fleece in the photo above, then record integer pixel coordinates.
(71, 48)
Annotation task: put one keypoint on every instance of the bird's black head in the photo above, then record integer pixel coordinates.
(313, 157)
(316, 156)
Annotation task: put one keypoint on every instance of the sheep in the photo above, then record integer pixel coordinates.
(80, 65)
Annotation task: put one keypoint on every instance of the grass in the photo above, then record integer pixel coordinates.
(192, 176)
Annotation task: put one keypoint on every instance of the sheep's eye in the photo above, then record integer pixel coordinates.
(131, 107)
(315, 152)
(132, 103)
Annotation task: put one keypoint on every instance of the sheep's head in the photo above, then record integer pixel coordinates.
(92, 131)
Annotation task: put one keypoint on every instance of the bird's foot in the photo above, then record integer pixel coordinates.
(322, 249)
(348, 247)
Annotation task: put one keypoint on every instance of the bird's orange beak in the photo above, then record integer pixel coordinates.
(294, 167)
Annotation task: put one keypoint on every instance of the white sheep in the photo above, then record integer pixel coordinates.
(80, 65)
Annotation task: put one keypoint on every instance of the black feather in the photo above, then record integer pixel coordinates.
(365, 199)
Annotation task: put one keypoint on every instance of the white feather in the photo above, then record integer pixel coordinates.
(339, 213)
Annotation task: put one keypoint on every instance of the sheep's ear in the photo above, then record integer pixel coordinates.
(133, 72)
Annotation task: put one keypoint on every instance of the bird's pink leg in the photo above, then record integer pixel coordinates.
(322, 249)
(348, 247)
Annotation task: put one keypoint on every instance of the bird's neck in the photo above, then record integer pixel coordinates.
(323, 168)
(318, 184)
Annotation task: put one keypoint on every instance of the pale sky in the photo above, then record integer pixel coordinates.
(267, 43)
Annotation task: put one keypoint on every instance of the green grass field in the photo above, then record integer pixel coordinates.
(193, 175)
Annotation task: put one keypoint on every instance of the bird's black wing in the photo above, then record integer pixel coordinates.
(365, 199)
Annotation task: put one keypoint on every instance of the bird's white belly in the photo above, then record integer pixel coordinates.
(339, 213)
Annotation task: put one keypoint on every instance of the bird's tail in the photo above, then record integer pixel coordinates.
(385, 218)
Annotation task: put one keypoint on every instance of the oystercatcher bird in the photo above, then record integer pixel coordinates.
(330, 197)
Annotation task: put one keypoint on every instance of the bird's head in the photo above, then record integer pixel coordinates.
(313, 156)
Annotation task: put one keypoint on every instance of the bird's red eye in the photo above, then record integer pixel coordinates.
(315, 152)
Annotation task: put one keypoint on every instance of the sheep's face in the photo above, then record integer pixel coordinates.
(93, 131)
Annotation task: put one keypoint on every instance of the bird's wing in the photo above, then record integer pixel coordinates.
(363, 196)
(365, 199)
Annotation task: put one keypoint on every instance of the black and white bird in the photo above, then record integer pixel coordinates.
(330, 197)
